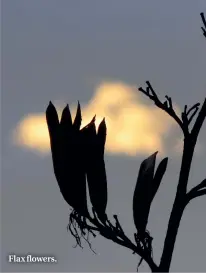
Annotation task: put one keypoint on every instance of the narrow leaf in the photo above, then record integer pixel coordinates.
(55, 141)
(142, 193)
(78, 118)
(96, 174)
(89, 124)
(101, 136)
(52, 119)
(161, 169)
(66, 117)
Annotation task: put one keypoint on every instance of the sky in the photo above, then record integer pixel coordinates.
(98, 52)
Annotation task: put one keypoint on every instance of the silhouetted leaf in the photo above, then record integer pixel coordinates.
(52, 119)
(142, 193)
(101, 136)
(96, 173)
(67, 158)
(161, 169)
(78, 118)
(75, 176)
(66, 117)
(55, 139)
(84, 129)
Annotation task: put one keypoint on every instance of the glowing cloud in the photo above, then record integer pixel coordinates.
(132, 127)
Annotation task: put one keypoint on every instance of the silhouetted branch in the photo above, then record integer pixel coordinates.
(198, 190)
(199, 121)
(79, 227)
(181, 198)
(199, 186)
(195, 194)
(185, 115)
(204, 23)
(167, 106)
(117, 235)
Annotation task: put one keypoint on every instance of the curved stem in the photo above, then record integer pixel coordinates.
(123, 240)
(181, 194)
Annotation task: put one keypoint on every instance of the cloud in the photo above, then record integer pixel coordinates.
(132, 126)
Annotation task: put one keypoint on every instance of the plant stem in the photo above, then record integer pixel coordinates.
(180, 199)
(179, 204)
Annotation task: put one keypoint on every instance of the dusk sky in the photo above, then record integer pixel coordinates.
(98, 52)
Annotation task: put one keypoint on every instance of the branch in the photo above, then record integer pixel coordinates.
(167, 106)
(195, 194)
(185, 115)
(204, 23)
(190, 139)
(199, 121)
(196, 191)
(117, 235)
(179, 204)
(199, 186)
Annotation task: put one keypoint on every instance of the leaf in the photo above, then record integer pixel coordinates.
(96, 173)
(66, 117)
(67, 131)
(84, 129)
(74, 186)
(78, 118)
(53, 128)
(101, 135)
(161, 169)
(67, 158)
(52, 119)
(55, 141)
(142, 193)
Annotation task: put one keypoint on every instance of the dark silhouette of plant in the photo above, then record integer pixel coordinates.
(78, 158)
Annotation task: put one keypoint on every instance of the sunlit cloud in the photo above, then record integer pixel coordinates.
(133, 128)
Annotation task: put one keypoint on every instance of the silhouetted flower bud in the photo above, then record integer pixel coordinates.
(67, 157)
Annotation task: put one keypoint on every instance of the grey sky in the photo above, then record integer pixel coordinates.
(59, 50)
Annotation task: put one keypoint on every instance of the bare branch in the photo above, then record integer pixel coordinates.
(166, 106)
(193, 114)
(199, 121)
(198, 190)
(204, 23)
(199, 186)
(169, 102)
(181, 198)
(116, 234)
(185, 115)
(192, 108)
(195, 194)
